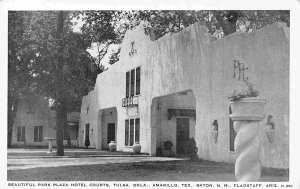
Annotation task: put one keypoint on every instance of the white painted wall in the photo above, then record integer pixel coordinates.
(41, 115)
(194, 60)
(89, 115)
(166, 129)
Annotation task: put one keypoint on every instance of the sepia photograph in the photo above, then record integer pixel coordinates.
(184, 98)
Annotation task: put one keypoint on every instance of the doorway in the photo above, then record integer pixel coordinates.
(87, 131)
(87, 135)
(111, 132)
(182, 134)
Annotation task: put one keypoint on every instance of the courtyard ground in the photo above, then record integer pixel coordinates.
(94, 165)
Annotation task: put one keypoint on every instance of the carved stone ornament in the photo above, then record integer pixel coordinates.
(246, 115)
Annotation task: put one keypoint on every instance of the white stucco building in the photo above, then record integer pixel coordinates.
(177, 87)
(35, 121)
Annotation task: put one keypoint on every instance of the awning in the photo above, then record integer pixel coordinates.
(181, 112)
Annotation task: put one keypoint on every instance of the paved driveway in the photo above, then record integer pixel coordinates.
(25, 159)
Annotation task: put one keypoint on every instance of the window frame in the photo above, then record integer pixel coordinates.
(40, 133)
(132, 85)
(137, 80)
(21, 137)
(129, 142)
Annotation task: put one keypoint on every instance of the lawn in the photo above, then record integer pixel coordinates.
(146, 171)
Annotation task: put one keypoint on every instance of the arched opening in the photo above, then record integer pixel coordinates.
(108, 120)
(174, 117)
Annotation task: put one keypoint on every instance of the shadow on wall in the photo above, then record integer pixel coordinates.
(109, 120)
(174, 117)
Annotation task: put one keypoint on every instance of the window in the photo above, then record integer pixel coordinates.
(21, 134)
(232, 133)
(132, 131)
(132, 77)
(133, 82)
(38, 134)
(126, 132)
(127, 84)
(138, 80)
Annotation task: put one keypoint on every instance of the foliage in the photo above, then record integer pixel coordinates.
(114, 57)
(101, 27)
(165, 149)
(108, 27)
(39, 49)
(248, 92)
(222, 22)
(19, 78)
(33, 51)
(255, 19)
(167, 145)
(191, 148)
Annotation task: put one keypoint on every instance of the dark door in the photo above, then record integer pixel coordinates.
(87, 135)
(87, 131)
(182, 134)
(110, 132)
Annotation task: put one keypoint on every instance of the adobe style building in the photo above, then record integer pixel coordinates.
(35, 121)
(178, 87)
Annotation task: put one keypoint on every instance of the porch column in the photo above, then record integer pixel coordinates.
(99, 131)
(247, 113)
(153, 130)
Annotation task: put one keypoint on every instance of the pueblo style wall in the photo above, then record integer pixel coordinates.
(193, 60)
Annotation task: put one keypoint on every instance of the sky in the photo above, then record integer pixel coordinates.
(77, 24)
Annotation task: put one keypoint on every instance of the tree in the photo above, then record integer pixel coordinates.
(61, 114)
(108, 27)
(33, 56)
(228, 21)
(101, 28)
(19, 55)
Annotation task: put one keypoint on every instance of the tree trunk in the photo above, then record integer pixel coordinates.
(11, 114)
(61, 115)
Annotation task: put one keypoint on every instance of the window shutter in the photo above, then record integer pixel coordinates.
(36, 134)
(40, 133)
(23, 133)
(126, 132)
(132, 78)
(137, 130)
(138, 80)
(19, 134)
(131, 132)
(127, 83)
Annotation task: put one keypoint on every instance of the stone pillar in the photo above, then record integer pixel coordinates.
(50, 144)
(247, 146)
(246, 116)
(50, 147)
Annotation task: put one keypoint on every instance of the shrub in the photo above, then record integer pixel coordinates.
(248, 92)
(168, 145)
(87, 142)
(192, 148)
